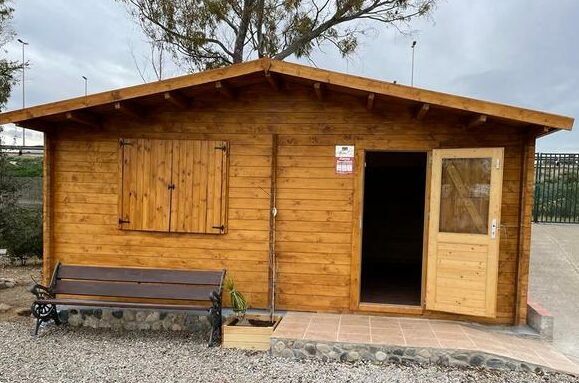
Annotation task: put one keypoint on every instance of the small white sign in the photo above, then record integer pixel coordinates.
(344, 165)
(344, 150)
(344, 159)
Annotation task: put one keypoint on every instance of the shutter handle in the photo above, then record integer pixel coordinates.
(222, 227)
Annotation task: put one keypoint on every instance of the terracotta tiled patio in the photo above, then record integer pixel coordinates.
(423, 333)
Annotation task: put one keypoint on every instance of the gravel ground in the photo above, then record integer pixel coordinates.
(19, 296)
(82, 355)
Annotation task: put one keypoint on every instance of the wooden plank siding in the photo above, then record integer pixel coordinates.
(317, 211)
(48, 213)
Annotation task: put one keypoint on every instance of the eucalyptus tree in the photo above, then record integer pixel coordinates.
(213, 33)
(8, 68)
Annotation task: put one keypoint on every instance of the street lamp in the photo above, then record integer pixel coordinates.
(412, 74)
(23, 89)
(85, 85)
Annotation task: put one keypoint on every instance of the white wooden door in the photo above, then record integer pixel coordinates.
(463, 231)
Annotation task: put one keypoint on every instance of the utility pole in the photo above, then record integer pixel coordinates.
(23, 89)
(85, 85)
(412, 73)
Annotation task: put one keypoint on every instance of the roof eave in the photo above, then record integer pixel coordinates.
(445, 100)
(132, 92)
(266, 65)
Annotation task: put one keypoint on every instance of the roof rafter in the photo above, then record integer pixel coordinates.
(225, 90)
(422, 111)
(273, 80)
(37, 124)
(370, 101)
(177, 99)
(127, 110)
(319, 90)
(84, 118)
(477, 121)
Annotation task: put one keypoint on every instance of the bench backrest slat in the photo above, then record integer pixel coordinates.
(134, 290)
(193, 277)
(120, 282)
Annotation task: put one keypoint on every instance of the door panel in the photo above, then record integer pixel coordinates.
(463, 243)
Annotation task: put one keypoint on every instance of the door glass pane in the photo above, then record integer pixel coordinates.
(464, 195)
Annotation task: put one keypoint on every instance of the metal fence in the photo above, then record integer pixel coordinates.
(30, 191)
(556, 188)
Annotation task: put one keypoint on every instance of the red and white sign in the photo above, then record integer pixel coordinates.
(344, 159)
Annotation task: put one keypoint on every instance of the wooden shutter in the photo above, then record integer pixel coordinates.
(200, 177)
(146, 180)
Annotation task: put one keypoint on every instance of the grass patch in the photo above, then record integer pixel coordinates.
(24, 167)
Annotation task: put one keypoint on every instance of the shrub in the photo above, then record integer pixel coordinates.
(21, 233)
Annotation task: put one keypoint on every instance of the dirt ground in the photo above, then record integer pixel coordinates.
(20, 295)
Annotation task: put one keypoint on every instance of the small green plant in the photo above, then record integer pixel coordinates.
(238, 301)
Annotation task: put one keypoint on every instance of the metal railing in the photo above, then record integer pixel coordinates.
(556, 188)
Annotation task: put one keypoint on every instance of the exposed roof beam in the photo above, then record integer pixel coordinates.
(127, 110)
(421, 113)
(85, 118)
(542, 131)
(319, 91)
(273, 80)
(39, 125)
(177, 99)
(370, 101)
(477, 121)
(224, 89)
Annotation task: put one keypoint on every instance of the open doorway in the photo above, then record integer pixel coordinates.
(393, 227)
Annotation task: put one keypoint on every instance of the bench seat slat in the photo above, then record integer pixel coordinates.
(134, 290)
(99, 303)
(195, 277)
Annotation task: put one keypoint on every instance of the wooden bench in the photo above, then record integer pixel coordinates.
(124, 287)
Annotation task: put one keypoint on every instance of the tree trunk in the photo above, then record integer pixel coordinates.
(259, 27)
(242, 31)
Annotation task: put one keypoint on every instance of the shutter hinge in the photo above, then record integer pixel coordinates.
(222, 227)
(121, 221)
(171, 186)
(123, 142)
(222, 147)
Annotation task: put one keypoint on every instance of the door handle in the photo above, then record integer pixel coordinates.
(494, 228)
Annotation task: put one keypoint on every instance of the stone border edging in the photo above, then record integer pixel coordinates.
(383, 354)
(127, 319)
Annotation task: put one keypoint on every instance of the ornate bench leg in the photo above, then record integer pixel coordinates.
(44, 313)
(38, 322)
(215, 318)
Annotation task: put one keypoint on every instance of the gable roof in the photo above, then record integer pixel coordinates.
(269, 68)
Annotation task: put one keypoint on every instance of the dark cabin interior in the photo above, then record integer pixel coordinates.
(393, 226)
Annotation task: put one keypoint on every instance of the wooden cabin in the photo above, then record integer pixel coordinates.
(388, 199)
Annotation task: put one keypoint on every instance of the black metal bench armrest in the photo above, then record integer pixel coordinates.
(41, 292)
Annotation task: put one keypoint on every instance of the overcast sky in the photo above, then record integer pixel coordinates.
(518, 52)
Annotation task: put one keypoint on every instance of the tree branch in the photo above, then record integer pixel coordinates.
(340, 16)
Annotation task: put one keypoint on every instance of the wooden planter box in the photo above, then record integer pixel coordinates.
(248, 337)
